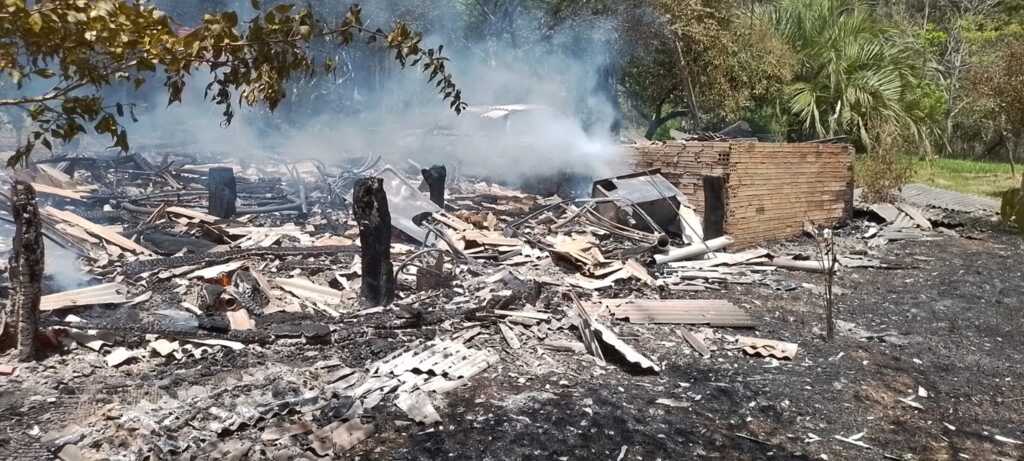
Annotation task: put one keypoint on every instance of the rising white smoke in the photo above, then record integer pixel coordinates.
(375, 108)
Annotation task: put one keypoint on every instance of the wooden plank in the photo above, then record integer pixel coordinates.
(453, 222)
(781, 179)
(793, 227)
(792, 197)
(915, 214)
(509, 335)
(696, 343)
(109, 293)
(524, 314)
(801, 164)
(772, 215)
(57, 177)
(203, 217)
(778, 218)
(97, 230)
(50, 190)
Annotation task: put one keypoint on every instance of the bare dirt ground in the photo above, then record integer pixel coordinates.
(956, 315)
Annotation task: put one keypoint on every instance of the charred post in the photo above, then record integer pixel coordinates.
(370, 207)
(434, 177)
(223, 191)
(25, 268)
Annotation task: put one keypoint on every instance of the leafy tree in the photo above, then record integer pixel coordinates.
(73, 49)
(982, 35)
(708, 61)
(855, 75)
(999, 83)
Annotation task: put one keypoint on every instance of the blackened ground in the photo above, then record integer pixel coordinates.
(959, 313)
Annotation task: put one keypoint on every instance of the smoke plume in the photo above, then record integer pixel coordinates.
(561, 115)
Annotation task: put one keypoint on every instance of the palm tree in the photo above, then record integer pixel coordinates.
(854, 74)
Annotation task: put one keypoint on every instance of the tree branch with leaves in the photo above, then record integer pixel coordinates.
(76, 48)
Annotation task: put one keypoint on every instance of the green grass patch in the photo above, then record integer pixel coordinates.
(967, 176)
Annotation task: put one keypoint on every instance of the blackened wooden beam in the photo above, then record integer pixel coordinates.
(370, 208)
(25, 268)
(223, 191)
(435, 177)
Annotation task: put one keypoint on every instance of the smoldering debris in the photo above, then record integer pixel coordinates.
(295, 268)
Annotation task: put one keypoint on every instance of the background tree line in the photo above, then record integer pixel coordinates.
(925, 77)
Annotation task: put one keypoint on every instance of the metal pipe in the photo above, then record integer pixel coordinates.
(796, 265)
(695, 250)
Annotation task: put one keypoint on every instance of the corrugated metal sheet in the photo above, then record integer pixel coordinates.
(716, 313)
(768, 347)
(929, 197)
(443, 358)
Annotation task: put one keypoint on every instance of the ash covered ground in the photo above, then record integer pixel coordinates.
(924, 364)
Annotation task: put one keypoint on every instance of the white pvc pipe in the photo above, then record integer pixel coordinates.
(695, 250)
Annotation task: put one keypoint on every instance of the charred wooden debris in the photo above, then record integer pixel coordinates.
(190, 259)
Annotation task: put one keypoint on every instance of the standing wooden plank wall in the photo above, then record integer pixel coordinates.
(772, 188)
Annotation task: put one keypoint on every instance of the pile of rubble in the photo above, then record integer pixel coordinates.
(921, 212)
(197, 261)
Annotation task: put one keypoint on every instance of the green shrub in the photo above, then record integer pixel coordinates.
(884, 170)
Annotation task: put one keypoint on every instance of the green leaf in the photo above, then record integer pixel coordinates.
(36, 21)
(255, 4)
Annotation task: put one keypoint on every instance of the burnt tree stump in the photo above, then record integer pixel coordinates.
(220, 184)
(25, 268)
(370, 208)
(434, 178)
